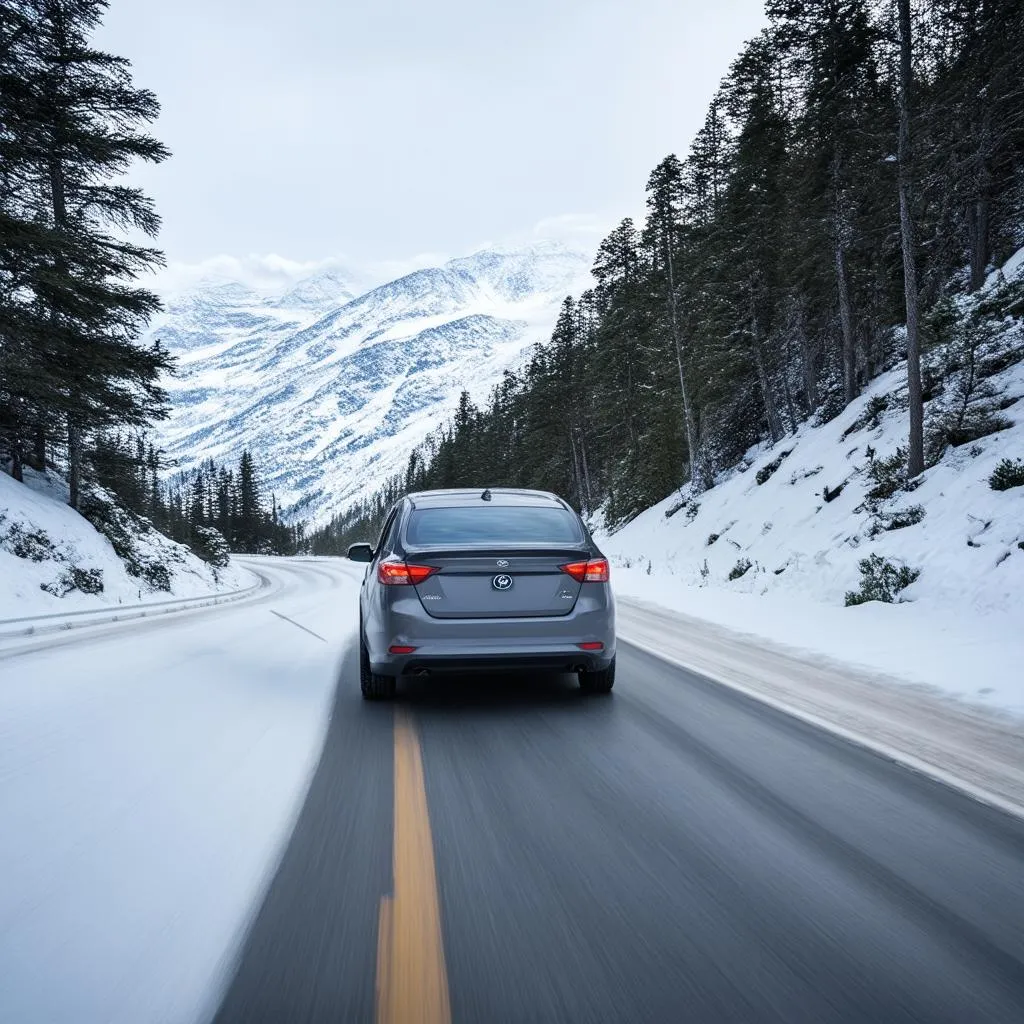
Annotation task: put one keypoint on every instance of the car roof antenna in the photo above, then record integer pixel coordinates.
(486, 496)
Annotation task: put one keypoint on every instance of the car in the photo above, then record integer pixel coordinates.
(481, 580)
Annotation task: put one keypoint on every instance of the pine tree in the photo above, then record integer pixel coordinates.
(76, 128)
(908, 232)
(665, 208)
(831, 47)
(250, 512)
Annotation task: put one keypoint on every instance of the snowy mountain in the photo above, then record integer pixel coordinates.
(331, 391)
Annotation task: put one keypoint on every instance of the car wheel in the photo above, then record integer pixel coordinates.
(600, 681)
(374, 687)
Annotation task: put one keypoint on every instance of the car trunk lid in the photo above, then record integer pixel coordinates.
(498, 583)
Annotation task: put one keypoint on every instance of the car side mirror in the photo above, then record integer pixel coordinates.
(360, 553)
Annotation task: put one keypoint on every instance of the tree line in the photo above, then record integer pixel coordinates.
(213, 508)
(72, 370)
(861, 163)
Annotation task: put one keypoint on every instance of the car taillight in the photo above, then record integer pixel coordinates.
(591, 645)
(594, 571)
(395, 573)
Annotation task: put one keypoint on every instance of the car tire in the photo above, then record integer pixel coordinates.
(374, 686)
(600, 681)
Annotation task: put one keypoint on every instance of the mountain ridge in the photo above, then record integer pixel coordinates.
(331, 390)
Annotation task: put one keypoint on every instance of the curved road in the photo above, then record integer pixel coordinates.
(505, 849)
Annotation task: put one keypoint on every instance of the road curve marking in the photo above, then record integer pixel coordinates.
(300, 625)
(412, 985)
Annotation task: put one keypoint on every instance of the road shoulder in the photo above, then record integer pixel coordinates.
(977, 751)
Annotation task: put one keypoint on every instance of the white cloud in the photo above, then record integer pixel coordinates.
(580, 230)
(267, 274)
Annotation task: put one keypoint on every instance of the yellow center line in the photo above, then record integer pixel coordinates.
(412, 986)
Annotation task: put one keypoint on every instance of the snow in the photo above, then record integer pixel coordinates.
(959, 628)
(148, 783)
(40, 504)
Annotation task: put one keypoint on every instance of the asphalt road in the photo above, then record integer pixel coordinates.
(673, 852)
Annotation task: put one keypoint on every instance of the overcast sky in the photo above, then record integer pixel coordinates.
(394, 132)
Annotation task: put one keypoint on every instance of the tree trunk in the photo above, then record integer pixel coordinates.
(58, 198)
(977, 226)
(631, 417)
(771, 410)
(586, 471)
(807, 361)
(915, 454)
(39, 448)
(577, 475)
(786, 388)
(16, 470)
(74, 463)
(697, 480)
(846, 322)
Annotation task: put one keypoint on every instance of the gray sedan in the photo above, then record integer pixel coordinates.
(482, 580)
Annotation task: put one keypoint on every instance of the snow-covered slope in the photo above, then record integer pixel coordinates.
(796, 541)
(332, 392)
(795, 553)
(51, 558)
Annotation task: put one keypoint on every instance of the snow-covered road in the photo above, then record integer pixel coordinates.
(149, 776)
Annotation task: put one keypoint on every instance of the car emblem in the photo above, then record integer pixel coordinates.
(502, 582)
(502, 563)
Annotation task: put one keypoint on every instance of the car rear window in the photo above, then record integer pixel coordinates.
(483, 525)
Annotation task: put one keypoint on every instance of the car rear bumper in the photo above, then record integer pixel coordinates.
(479, 658)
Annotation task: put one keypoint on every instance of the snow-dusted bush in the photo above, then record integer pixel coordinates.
(1009, 473)
(124, 529)
(888, 475)
(971, 341)
(870, 417)
(765, 472)
(881, 579)
(24, 542)
(803, 474)
(740, 568)
(898, 519)
(85, 581)
(687, 505)
(209, 544)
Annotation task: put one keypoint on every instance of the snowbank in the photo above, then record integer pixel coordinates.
(42, 541)
(959, 627)
(149, 780)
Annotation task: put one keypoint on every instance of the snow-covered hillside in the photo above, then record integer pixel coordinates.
(774, 548)
(54, 560)
(332, 392)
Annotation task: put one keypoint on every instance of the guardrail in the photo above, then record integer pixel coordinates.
(59, 622)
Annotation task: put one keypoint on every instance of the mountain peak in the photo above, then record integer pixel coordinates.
(542, 267)
(323, 290)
